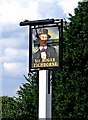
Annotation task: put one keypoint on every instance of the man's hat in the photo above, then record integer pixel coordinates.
(42, 31)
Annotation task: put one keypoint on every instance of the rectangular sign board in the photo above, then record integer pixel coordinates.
(45, 47)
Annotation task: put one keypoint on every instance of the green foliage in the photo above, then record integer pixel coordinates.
(9, 108)
(0, 108)
(25, 107)
(70, 90)
(28, 98)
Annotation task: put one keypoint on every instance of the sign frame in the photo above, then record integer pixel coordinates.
(32, 27)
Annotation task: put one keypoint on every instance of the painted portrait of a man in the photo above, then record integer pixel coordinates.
(45, 56)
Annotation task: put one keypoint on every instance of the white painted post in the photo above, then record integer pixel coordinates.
(44, 97)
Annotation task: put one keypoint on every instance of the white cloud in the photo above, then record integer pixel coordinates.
(14, 68)
(13, 43)
(11, 51)
(48, 1)
(68, 5)
(11, 55)
(11, 66)
(15, 52)
(13, 11)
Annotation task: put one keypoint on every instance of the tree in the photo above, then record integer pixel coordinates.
(25, 107)
(9, 108)
(28, 98)
(0, 108)
(70, 87)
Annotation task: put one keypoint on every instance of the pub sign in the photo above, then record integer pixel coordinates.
(46, 41)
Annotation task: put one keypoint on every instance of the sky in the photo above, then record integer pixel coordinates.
(14, 38)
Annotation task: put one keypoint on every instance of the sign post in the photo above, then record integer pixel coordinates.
(45, 53)
(44, 96)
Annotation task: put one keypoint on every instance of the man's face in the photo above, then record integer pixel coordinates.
(43, 39)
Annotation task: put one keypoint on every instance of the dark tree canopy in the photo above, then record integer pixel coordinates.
(70, 91)
(9, 108)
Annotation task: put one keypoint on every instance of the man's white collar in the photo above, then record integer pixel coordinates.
(42, 47)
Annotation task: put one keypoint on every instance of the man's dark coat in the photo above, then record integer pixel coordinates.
(50, 53)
